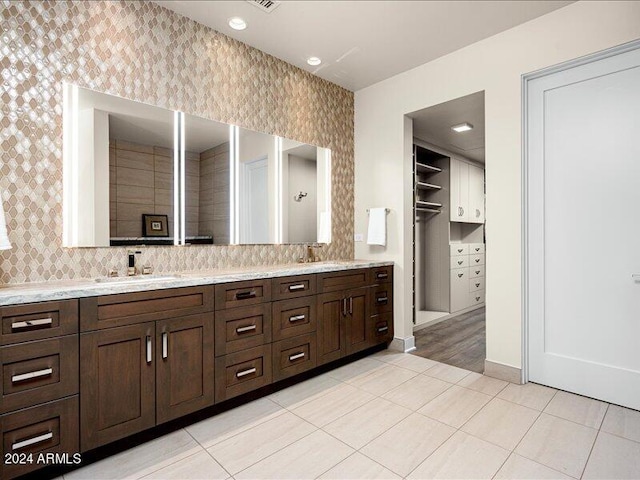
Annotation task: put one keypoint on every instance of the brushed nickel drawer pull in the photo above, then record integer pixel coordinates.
(477, 260)
(149, 349)
(32, 441)
(382, 275)
(165, 344)
(477, 272)
(477, 299)
(293, 288)
(477, 285)
(477, 249)
(28, 376)
(248, 371)
(460, 262)
(350, 305)
(248, 328)
(383, 329)
(32, 323)
(460, 250)
(245, 295)
(460, 275)
(382, 299)
(296, 356)
(296, 318)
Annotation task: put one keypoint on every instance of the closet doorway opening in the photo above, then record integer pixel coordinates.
(449, 232)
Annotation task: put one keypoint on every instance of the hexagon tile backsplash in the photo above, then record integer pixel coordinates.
(142, 51)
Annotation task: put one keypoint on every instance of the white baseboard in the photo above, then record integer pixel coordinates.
(403, 344)
(504, 372)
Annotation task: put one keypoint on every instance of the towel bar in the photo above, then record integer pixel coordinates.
(386, 210)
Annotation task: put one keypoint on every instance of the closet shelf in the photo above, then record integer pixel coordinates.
(427, 210)
(427, 186)
(423, 167)
(422, 203)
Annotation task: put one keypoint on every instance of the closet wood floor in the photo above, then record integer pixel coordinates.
(458, 341)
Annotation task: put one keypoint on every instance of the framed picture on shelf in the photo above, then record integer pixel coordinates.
(155, 225)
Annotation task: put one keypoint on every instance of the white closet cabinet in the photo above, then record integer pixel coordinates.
(476, 194)
(467, 192)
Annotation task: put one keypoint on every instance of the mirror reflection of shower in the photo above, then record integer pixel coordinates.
(298, 197)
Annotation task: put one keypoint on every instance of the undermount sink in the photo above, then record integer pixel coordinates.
(136, 279)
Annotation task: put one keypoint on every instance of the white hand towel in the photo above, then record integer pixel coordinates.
(377, 234)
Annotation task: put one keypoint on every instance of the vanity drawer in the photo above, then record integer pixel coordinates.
(293, 356)
(461, 261)
(242, 372)
(342, 280)
(476, 259)
(292, 287)
(48, 428)
(476, 284)
(459, 249)
(239, 294)
(476, 271)
(381, 274)
(35, 321)
(37, 372)
(476, 298)
(131, 308)
(241, 328)
(294, 317)
(381, 299)
(476, 248)
(381, 328)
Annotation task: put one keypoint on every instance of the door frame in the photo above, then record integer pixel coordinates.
(525, 79)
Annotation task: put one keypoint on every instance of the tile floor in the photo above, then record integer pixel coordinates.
(390, 416)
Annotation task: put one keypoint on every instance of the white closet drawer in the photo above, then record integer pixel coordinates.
(475, 248)
(476, 284)
(459, 289)
(460, 261)
(476, 259)
(459, 249)
(476, 271)
(475, 298)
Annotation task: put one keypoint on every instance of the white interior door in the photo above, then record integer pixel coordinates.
(583, 229)
(254, 226)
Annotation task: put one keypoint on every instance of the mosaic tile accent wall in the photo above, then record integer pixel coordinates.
(144, 52)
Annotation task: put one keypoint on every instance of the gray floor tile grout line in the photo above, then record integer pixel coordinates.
(328, 469)
(584, 469)
(209, 453)
(173, 463)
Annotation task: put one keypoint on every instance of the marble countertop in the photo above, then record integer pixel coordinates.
(67, 289)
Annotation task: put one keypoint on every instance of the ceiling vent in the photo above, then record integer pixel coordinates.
(265, 5)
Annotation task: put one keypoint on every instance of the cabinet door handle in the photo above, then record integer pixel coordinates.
(383, 329)
(32, 441)
(245, 295)
(477, 299)
(477, 272)
(461, 211)
(460, 250)
(296, 318)
(293, 288)
(382, 275)
(477, 285)
(350, 305)
(460, 262)
(246, 372)
(41, 322)
(477, 249)
(165, 344)
(149, 349)
(382, 299)
(28, 376)
(248, 328)
(477, 260)
(460, 275)
(296, 356)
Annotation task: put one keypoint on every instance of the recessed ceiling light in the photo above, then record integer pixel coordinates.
(463, 127)
(237, 23)
(314, 61)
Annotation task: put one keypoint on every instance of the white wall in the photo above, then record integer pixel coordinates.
(495, 65)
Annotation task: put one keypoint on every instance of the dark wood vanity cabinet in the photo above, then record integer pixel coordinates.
(79, 374)
(137, 376)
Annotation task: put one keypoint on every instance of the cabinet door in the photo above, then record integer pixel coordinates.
(332, 310)
(358, 336)
(459, 172)
(117, 383)
(184, 352)
(476, 194)
(459, 289)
